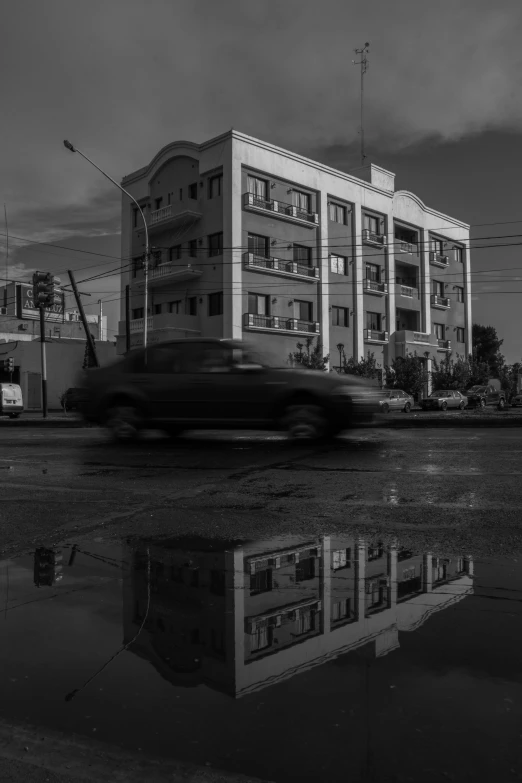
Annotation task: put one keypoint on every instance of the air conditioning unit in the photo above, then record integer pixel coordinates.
(3, 310)
(23, 327)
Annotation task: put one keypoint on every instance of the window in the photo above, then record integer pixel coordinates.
(193, 248)
(211, 358)
(459, 255)
(340, 609)
(375, 552)
(374, 321)
(215, 185)
(258, 304)
(138, 312)
(301, 200)
(157, 309)
(339, 316)
(305, 570)
(339, 265)
(137, 264)
(302, 254)
(303, 310)
(337, 213)
(341, 559)
(181, 194)
(258, 245)
(371, 223)
(460, 293)
(192, 305)
(217, 641)
(405, 235)
(376, 593)
(215, 303)
(437, 287)
(175, 307)
(258, 187)
(174, 253)
(169, 196)
(135, 214)
(158, 202)
(261, 582)
(373, 272)
(437, 245)
(215, 244)
(461, 335)
(261, 638)
(193, 190)
(163, 359)
(217, 581)
(438, 331)
(306, 621)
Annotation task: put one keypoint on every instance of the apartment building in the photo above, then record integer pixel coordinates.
(240, 616)
(255, 242)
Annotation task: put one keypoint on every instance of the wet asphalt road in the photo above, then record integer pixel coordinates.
(449, 488)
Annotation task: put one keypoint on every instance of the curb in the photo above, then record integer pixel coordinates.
(45, 423)
(400, 424)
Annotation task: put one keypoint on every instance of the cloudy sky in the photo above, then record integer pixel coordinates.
(121, 78)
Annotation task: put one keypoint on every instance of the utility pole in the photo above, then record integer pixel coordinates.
(101, 320)
(88, 334)
(127, 319)
(44, 361)
(363, 62)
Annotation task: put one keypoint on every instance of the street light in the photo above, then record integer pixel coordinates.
(71, 148)
(340, 348)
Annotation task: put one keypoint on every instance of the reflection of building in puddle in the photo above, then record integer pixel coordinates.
(241, 617)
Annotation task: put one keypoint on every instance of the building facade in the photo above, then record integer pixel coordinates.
(254, 242)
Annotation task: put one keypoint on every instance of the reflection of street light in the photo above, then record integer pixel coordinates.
(340, 348)
(69, 146)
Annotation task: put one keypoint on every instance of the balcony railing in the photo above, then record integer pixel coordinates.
(172, 271)
(406, 290)
(280, 208)
(279, 323)
(375, 336)
(438, 260)
(444, 345)
(405, 247)
(279, 265)
(137, 324)
(172, 214)
(371, 238)
(421, 337)
(442, 302)
(374, 287)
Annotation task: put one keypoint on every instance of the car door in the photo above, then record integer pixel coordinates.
(394, 401)
(158, 381)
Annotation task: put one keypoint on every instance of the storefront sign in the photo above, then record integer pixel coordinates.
(26, 308)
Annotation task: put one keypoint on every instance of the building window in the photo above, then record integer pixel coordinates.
(376, 593)
(341, 559)
(460, 293)
(305, 570)
(438, 331)
(437, 287)
(258, 187)
(459, 255)
(215, 303)
(374, 321)
(258, 304)
(339, 265)
(217, 641)
(371, 223)
(157, 309)
(181, 194)
(375, 552)
(193, 248)
(261, 582)
(137, 264)
(304, 310)
(193, 190)
(158, 202)
(175, 307)
(261, 638)
(301, 200)
(215, 185)
(192, 305)
(302, 254)
(341, 609)
(373, 272)
(217, 582)
(339, 316)
(259, 245)
(337, 213)
(437, 245)
(405, 235)
(215, 244)
(306, 621)
(174, 253)
(135, 214)
(138, 312)
(461, 334)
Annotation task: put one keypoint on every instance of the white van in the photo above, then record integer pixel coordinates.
(11, 400)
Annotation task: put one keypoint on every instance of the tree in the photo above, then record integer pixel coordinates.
(450, 374)
(486, 348)
(408, 373)
(312, 358)
(509, 378)
(365, 368)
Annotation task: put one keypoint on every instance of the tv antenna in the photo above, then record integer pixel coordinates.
(363, 62)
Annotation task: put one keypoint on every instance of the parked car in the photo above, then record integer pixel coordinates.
(442, 399)
(72, 399)
(516, 400)
(395, 400)
(11, 400)
(200, 383)
(480, 396)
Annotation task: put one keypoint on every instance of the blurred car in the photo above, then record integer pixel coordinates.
(198, 383)
(73, 398)
(442, 399)
(395, 400)
(516, 400)
(481, 396)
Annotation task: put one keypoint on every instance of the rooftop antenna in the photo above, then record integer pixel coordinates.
(363, 62)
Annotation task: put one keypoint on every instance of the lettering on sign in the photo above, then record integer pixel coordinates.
(28, 310)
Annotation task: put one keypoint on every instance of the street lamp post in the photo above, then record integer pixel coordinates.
(70, 147)
(340, 348)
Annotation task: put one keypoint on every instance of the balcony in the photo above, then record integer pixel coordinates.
(406, 247)
(438, 260)
(171, 272)
(171, 216)
(161, 327)
(373, 287)
(278, 266)
(441, 302)
(444, 345)
(376, 240)
(374, 336)
(412, 337)
(281, 210)
(277, 323)
(409, 291)
(138, 324)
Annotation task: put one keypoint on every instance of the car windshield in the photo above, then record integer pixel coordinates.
(476, 389)
(441, 394)
(386, 394)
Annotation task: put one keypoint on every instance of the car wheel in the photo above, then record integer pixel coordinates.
(385, 408)
(501, 405)
(173, 432)
(124, 421)
(483, 403)
(407, 407)
(305, 421)
(444, 406)
(462, 406)
(14, 415)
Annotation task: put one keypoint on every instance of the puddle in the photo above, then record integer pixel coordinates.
(320, 659)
